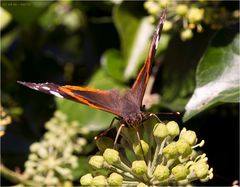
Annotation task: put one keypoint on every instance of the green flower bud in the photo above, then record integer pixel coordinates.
(115, 179)
(139, 167)
(180, 172)
(96, 161)
(160, 130)
(99, 181)
(167, 26)
(170, 150)
(173, 128)
(86, 180)
(201, 169)
(34, 147)
(236, 13)
(183, 182)
(38, 178)
(181, 9)
(186, 34)
(33, 157)
(183, 148)
(152, 7)
(161, 172)
(195, 15)
(164, 3)
(142, 185)
(104, 143)
(189, 136)
(111, 156)
(68, 184)
(138, 149)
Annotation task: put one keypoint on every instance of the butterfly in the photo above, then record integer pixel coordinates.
(128, 106)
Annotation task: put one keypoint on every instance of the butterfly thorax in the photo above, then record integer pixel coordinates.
(134, 120)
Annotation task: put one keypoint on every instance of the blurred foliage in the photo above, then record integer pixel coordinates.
(103, 44)
(5, 120)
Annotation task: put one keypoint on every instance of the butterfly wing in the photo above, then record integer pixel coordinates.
(108, 101)
(140, 84)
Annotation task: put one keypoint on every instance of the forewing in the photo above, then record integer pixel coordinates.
(108, 101)
(140, 84)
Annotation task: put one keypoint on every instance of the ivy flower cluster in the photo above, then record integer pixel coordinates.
(190, 16)
(164, 156)
(5, 120)
(52, 160)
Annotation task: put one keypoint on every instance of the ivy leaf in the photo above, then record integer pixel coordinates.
(112, 63)
(83, 167)
(178, 70)
(25, 12)
(135, 33)
(217, 74)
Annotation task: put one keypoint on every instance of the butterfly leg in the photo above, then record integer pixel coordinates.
(107, 130)
(118, 133)
(139, 139)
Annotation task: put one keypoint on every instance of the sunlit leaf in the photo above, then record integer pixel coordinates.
(217, 76)
(113, 64)
(135, 33)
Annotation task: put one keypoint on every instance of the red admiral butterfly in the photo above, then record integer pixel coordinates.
(128, 107)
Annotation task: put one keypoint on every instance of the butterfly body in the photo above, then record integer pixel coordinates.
(127, 106)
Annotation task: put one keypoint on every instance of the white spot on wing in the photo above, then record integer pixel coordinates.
(35, 88)
(46, 88)
(56, 94)
(157, 40)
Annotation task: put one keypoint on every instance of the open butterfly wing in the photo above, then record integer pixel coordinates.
(140, 84)
(108, 101)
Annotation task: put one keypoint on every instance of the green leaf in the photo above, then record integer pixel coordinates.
(25, 12)
(83, 168)
(178, 70)
(113, 64)
(217, 75)
(135, 33)
(91, 118)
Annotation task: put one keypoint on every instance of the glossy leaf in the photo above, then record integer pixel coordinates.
(135, 33)
(217, 76)
(178, 70)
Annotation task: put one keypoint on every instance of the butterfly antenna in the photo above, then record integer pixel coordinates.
(169, 113)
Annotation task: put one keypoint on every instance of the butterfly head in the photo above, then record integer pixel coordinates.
(134, 120)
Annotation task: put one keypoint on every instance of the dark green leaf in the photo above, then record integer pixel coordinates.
(217, 76)
(178, 70)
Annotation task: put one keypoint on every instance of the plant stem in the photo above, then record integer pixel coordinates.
(13, 176)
